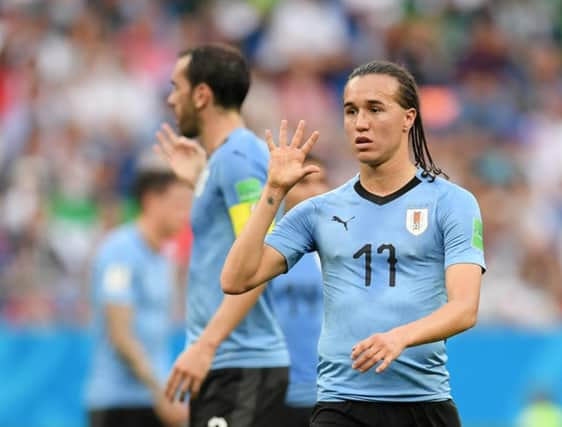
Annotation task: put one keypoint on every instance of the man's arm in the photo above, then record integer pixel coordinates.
(118, 318)
(250, 262)
(457, 315)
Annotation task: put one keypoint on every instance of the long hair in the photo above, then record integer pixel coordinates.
(407, 97)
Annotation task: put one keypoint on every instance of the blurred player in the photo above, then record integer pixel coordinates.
(297, 298)
(236, 338)
(402, 258)
(132, 297)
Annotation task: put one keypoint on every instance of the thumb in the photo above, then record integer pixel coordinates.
(310, 169)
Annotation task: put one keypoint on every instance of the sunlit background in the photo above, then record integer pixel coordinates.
(82, 90)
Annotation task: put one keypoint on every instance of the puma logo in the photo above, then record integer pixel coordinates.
(341, 221)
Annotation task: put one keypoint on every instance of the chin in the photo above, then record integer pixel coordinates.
(369, 159)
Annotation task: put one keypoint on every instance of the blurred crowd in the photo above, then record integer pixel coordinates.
(83, 86)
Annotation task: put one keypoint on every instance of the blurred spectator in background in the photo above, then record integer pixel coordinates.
(82, 88)
(541, 412)
(132, 293)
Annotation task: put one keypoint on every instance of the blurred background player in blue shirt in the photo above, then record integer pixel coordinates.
(297, 298)
(402, 258)
(235, 364)
(133, 289)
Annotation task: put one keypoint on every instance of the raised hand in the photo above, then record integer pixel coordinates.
(286, 163)
(186, 157)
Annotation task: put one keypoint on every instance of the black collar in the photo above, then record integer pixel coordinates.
(381, 200)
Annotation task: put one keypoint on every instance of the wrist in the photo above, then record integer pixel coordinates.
(403, 334)
(276, 193)
(208, 343)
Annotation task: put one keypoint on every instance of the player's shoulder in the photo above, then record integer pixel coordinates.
(242, 144)
(122, 242)
(446, 191)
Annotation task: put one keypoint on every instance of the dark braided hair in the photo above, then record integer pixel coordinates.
(407, 97)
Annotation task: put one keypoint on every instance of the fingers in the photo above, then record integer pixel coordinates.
(387, 361)
(368, 359)
(297, 137)
(196, 386)
(170, 133)
(269, 140)
(165, 145)
(283, 134)
(307, 146)
(185, 388)
(311, 169)
(172, 385)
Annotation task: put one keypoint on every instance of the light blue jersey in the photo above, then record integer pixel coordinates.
(297, 298)
(127, 271)
(383, 265)
(224, 196)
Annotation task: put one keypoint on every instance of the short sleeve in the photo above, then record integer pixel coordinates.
(241, 181)
(293, 236)
(115, 275)
(461, 224)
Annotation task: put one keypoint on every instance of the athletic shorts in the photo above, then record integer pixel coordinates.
(381, 414)
(240, 397)
(296, 416)
(124, 417)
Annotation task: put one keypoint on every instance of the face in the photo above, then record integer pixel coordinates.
(312, 185)
(181, 100)
(169, 209)
(376, 125)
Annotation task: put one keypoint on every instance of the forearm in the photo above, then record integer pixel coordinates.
(132, 353)
(452, 318)
(242, 263)
(230, 313)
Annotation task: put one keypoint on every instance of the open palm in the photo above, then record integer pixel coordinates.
(186, 157)
(286, 163)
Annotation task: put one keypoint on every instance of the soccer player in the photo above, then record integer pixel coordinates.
(297, 299)
(132, 297)
(402, 258)
(236, 338)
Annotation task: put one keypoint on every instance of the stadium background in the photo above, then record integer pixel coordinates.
(82, 91)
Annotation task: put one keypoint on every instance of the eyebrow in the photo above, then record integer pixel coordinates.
(369, 101)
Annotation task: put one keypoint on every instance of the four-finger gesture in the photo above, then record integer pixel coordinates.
(186, 157)
(286, 164)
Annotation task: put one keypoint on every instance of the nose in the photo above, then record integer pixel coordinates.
(170, 100)
(361, 121)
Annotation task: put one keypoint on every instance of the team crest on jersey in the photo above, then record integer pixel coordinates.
(201, 181)
(417, 220)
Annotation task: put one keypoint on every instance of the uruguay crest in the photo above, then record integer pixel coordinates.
(417, 220)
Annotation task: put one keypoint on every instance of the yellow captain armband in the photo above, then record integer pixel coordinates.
(240, 214)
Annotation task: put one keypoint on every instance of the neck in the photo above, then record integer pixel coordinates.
(387, 178)
(220, 126)
(150, 233)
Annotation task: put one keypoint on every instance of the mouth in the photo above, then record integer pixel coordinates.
(362, 140)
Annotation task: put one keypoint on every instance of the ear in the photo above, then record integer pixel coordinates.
(409, 119)
(202, 96)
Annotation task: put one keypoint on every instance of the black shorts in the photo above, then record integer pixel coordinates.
(124, 417)
(379, 414)
(240, 397)
(296, 417)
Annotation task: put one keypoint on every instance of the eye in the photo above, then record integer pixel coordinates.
(350, 111)
(374, 109)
